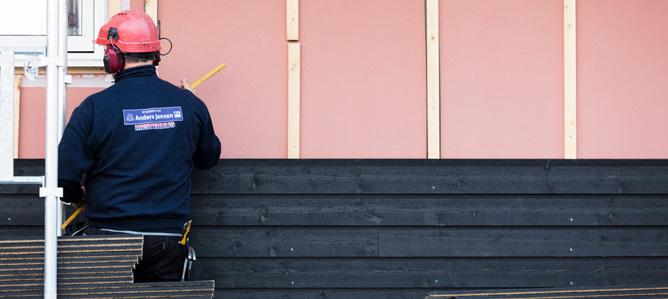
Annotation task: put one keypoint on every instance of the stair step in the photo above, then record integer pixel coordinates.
(88, 267)
(189, 289)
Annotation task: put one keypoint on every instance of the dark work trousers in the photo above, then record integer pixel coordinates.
(162, 258)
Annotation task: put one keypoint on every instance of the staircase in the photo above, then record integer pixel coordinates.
(88, 267)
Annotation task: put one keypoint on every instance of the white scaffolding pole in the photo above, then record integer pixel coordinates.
(50, 191)
(6, 115)
(62, 85)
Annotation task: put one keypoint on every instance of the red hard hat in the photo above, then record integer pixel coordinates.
(132, 31)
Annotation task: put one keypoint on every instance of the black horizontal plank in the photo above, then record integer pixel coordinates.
(622, 292)
(254, 273)
(427, 242)
(27, 231)
(298, 242)
(21, 209)
(430, 210)
(433, 177)
(523, 242)
(420, 177)
(397, 210)
(321, 293)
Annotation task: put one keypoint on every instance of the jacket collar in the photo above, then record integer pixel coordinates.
(135, 72)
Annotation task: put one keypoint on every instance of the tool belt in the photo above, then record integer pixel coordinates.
(190, 258)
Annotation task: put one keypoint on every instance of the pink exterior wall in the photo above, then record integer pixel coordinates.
(247, 100)
(137, 4)
(32, 125)
(501, 78)
(364, 82)
(363, 79)
(622, 75)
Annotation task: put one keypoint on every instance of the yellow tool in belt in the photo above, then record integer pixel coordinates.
(185, 232)
(74, 215)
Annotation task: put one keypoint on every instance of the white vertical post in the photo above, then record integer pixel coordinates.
(6, 115)
(433, 81)
(294, 100)
(62, 85)
(570, 81)
(50, 189)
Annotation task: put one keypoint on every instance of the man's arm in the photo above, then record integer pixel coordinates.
(207, 153)
(74, 159)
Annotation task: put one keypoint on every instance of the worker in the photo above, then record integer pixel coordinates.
(133, 146)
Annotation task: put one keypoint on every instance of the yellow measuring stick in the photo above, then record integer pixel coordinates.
(74, 215)
(206, 76)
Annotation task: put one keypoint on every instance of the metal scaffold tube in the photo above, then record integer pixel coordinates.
(50, 191)
(62, 85)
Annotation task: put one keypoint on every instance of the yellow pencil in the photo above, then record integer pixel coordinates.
(206, 76)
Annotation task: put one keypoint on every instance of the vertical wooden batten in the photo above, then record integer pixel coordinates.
(294, 78)
(294, 99)
(17, 114)
(570, 80)
(292, 20)
(151, 8)
(433, 80)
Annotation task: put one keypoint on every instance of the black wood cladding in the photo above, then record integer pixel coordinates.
(402, 228)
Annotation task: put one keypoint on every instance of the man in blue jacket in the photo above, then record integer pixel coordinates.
(133, 147)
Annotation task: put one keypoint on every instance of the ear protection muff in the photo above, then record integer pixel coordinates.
(114, 60)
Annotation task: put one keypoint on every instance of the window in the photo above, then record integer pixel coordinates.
(24, 23)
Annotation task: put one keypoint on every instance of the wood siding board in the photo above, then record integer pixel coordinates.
(411, 293)
(400, 273)
(429, 210)
(420, 177)
(285, 242)
(523, 242)
(403, 228)
(272, 242)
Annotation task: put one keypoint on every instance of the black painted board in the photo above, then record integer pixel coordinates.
(430, 210)
(524, 242)
(433, 177)
(427, 242)
(397, 210)
(21, 209)
(620, 291)
(471, 273)
(16, 231)
(274, 242)
(321, 293)
(418, 177)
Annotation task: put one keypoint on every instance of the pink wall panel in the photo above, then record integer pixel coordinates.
(247, 100)
(622, 75)
(502, 78)
(363, 79)
(137, 4)
(32, 125)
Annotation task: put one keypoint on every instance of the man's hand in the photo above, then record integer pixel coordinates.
(186, 85)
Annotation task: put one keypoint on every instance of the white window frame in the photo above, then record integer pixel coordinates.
(82, 50)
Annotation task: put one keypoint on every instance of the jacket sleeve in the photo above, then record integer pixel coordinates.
(207, 152)
(74, 159)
